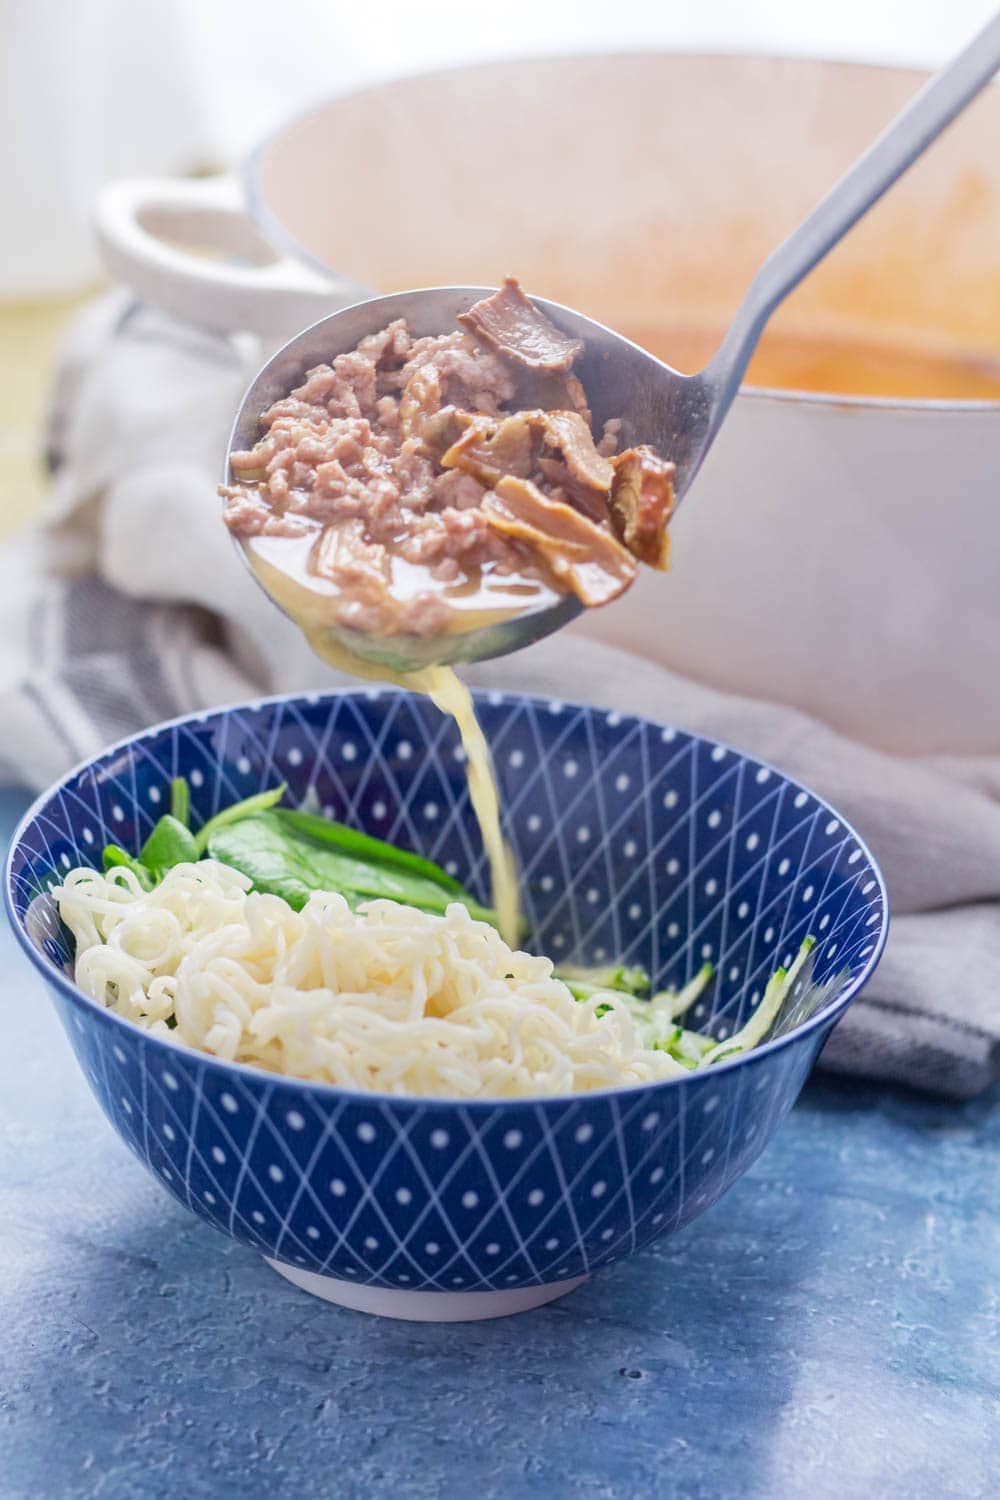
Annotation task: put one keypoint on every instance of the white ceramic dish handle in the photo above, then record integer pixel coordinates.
(144, 223)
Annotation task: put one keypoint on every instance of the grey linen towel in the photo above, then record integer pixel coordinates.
(126, 604)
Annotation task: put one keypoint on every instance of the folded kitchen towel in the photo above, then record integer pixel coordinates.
(126, 605)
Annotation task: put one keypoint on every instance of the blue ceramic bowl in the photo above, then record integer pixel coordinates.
(636, 842)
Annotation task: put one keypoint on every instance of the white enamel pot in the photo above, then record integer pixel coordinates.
(840, 554)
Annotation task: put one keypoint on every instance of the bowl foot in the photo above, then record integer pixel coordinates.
(425, 1307)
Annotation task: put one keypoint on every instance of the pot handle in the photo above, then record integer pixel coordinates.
(242, 287)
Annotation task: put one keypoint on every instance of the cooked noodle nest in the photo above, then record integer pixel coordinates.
(385, 998)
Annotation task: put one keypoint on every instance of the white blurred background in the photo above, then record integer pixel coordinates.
(96, 89)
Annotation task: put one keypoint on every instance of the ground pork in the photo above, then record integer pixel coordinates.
(363, 453)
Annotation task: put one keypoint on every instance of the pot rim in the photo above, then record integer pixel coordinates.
(275, 232)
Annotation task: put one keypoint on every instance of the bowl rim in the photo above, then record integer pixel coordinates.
(827, 1016)
(249, 173)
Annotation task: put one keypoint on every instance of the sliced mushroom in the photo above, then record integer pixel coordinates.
(343, 554)
(488, 449)
(442, 429)
(588, 476)
(579, 555)
(642, 502)
(553, 390)
(558, 444)
(512, 324)
(420, 400)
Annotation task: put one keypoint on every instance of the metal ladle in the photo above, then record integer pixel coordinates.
(677, 414)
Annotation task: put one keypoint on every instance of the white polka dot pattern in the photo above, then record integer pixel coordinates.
(635, 842)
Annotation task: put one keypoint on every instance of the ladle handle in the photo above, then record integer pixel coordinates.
(896, 149)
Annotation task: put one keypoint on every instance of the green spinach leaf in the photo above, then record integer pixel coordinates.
(180, 800)
(280, 858)
(169, 844)
(363, 846)
(114, 855)
(260, 802)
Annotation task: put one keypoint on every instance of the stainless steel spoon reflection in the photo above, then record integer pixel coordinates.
(679, 415)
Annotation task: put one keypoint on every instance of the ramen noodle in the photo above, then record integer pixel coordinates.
(386, 998)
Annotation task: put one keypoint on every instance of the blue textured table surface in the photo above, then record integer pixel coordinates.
(829, 1330)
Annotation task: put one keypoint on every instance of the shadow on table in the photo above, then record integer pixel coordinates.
(925, 1112)
(171, 1350)
(740, 1358)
